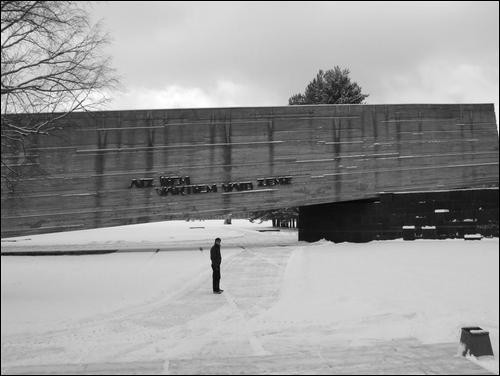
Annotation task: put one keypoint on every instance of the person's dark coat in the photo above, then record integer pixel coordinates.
(215, 254)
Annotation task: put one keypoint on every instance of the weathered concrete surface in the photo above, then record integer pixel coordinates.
(81, 176)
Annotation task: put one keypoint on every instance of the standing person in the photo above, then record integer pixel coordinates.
(216, 260)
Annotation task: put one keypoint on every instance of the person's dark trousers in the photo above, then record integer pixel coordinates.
(215, 277)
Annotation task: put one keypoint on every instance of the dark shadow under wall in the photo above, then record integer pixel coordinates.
(434, 215)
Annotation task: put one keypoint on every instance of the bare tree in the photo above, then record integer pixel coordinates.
(52, 64)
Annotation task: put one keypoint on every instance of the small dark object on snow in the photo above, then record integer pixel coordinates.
(475, 341)
(408, 232)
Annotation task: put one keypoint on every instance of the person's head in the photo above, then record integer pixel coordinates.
(217, 241)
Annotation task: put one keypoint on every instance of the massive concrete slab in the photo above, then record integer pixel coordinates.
(105, 168)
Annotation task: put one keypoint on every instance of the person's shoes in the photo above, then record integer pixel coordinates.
(218, 292)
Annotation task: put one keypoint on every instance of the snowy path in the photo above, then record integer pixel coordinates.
(282, 311)
(191, 322)
(399, 357)
(194, 331)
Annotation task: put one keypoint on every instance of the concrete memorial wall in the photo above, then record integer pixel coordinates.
(122, 167)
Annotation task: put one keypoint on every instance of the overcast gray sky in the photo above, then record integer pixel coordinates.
(206, 54)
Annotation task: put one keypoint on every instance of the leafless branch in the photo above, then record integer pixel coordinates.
(52, 63)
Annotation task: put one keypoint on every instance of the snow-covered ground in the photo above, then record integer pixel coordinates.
(280, 294)
(41, 293)
(170, 235)
(393, 289)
